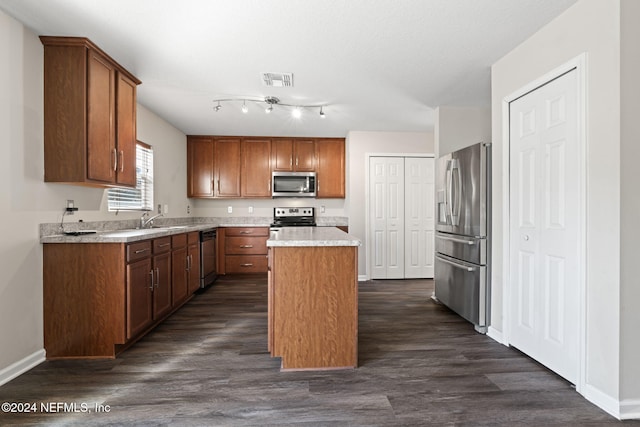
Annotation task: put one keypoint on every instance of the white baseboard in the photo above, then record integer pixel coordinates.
(630, 409)
(21, 366)
(496, 335)
(362, 278)
(602, 400)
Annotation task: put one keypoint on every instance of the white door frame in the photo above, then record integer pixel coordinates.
(580, 65)
(367, 221)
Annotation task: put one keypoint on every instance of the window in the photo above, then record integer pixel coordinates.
(141, 197)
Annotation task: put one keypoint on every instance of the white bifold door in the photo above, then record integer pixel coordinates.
(545, 225)
(401, 202)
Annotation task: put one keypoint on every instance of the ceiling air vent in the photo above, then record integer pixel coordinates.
(277, 79)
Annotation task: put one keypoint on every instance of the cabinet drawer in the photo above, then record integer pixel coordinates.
(138, 250)
(247, 231)
(161, 245)
(193, 237)
(246, 263)
(245, 245)
(178, 241)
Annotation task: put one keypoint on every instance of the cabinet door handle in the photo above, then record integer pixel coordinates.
(246, 246)
(121, 161)
(296, 161)
(188, 263)
(162, 245)
(246, 232)
(152, 280)
(157, 277)
(246, 265)
(115, 160)
(139, 251)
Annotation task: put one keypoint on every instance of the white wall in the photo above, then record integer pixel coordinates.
(359, 144)
(26, 201)
(590, 26)
(460, 127)
(630, 205)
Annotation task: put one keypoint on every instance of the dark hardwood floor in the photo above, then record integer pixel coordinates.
(419, 365)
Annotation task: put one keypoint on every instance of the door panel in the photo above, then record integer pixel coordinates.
(545, 212)
(387, 217)
(419, 217)
(101, 138)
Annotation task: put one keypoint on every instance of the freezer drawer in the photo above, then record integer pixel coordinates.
(470, 249)
(463, 288)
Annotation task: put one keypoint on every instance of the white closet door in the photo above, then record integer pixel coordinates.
(545, 217)
(386, 192)
(419, 217)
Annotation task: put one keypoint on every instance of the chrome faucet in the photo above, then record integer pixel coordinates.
(149, 221)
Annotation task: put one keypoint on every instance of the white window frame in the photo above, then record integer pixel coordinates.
(139, 198)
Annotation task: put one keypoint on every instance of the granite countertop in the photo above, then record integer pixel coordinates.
(311, 236)
(125, 236)
(124, 231)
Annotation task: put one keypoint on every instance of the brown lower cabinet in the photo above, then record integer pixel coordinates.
(99, 298)
(245, 249)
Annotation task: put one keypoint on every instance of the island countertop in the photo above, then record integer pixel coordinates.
(310, 236)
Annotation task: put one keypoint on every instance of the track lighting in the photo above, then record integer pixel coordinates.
(270, 102)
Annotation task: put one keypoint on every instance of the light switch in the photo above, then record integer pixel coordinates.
(229, 209)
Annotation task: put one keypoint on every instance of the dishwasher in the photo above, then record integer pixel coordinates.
(208, 270)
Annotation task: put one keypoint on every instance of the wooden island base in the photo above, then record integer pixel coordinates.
(313, 306)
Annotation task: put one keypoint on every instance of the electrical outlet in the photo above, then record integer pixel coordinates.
(165, 209)
(188, 209)
(250, 209)
(322, 209)
(71, 207)
(159, 208)
(229, 209)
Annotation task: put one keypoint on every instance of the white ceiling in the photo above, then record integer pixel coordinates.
(381, 65)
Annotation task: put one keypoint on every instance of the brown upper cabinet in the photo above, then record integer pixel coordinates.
(330, 170)
(200, 166)
(226, 170)
(240, 167)
(255, 174)
(89, 115)
(213, 167)
(293, 155)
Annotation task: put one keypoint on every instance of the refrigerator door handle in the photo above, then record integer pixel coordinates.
(455, 218)
(448, 193)
(453, 239)
(456, 265)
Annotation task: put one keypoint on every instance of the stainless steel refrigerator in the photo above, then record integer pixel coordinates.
(463, 233)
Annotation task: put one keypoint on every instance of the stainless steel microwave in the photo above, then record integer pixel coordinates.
(293, 184)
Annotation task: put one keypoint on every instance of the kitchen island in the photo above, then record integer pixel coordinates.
(313, 298)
